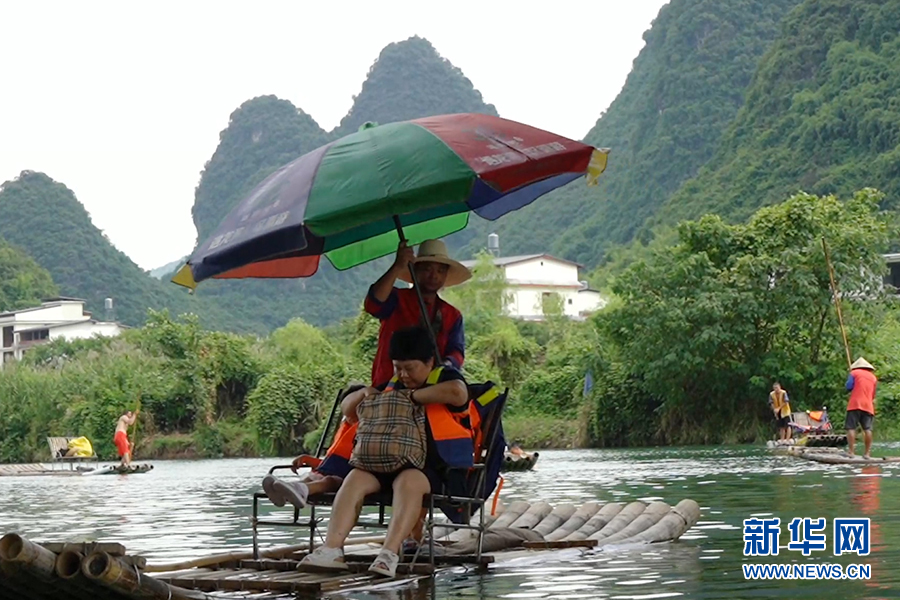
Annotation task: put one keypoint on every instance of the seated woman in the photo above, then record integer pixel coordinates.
(442, 396)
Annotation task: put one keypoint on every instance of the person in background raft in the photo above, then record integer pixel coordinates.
(121, 438)
(861, 408)
(778, 402)
(399, 308)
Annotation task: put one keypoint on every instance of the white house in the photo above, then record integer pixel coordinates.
(531, 278)
(55, 318)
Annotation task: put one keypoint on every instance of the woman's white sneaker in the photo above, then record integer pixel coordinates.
(331, 559)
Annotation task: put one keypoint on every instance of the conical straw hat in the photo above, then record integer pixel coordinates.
(862, 363)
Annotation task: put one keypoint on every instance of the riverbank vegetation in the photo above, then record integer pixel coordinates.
(702, 319)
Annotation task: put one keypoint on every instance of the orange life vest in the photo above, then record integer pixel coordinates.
(337, 457)
(451, 431)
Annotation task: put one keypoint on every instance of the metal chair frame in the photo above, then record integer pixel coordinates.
(384, 499)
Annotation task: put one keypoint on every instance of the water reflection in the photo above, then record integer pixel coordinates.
(185, 509)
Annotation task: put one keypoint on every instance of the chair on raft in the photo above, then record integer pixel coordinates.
(811, 422)
(480, 480)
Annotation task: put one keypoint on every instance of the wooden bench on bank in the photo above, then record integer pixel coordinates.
(60, 445)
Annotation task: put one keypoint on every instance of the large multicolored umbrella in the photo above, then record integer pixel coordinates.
(352, 199)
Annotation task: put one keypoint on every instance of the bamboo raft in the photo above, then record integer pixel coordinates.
(37, 469)
(514, 462)
(833, 456)
(811, 441)
(101, 571)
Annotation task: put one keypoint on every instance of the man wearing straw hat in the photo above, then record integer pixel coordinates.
(861, 408)
(399, 308)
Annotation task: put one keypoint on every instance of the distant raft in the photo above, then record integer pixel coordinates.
(832, 456)
(104, 571)
(120, 469)
(38, 469)
(519, 462)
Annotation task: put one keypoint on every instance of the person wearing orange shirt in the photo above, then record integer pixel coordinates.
(861, 407)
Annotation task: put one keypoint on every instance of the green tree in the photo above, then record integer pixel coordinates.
(483, 299)
(710, 322)
(820, 116)
(685, 88)
(43, 218)
(23, 283)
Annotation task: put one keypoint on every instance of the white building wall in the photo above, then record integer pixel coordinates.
(63, 320)
(543, 270)
(85, 330)
(588, 301)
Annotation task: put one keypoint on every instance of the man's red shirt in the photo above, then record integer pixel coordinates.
(401, 310)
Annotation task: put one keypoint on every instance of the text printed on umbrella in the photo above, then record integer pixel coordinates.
(510, 156)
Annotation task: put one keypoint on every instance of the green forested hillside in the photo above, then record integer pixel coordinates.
(821, 115)
(409, 80)
(685, 87)
(23, 282)
(262, 134)
(43, 218)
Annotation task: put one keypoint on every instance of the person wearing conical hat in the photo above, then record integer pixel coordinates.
(861, 407)
(399, 308)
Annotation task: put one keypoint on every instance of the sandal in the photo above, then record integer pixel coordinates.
(385, 563)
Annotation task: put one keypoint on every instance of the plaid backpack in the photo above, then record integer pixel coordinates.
(391, 433)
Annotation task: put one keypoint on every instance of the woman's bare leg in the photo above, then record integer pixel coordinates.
(348, 503)
(326, 485)
(410, 488)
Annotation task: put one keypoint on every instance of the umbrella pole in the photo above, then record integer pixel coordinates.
(415, 281)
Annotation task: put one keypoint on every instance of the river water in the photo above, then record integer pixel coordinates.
(187, 509)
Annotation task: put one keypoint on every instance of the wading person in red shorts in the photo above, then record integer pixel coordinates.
(121, 438)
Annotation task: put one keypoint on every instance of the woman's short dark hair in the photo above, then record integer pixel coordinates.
(411, 343)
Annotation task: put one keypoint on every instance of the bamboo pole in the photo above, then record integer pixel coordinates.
(15, 548)
(620, 521)
(215, 559)
(512, 512)
(837, 301)
(671, 527)
(534, 515)
(134, 433)
(575, 522)
(647, 519)
(68, 564)
(555, 519)
(606, 513)
(111, 572)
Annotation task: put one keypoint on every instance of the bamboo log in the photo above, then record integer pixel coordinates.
(689, 511)
(597, 522)
(111, 572)
(620, 521)
(831, 456)
(581, 516)
(534, 515)
(68, 564)
(557, 517)
(648, 518)
(450, 534)
(512, 512)
(559, 544)
(215, 559)
(671, 527)
(31, 556)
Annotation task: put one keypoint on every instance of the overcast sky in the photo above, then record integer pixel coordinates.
(123, 101)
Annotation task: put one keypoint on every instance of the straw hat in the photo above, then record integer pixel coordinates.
(436, 251)
(862, 363)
